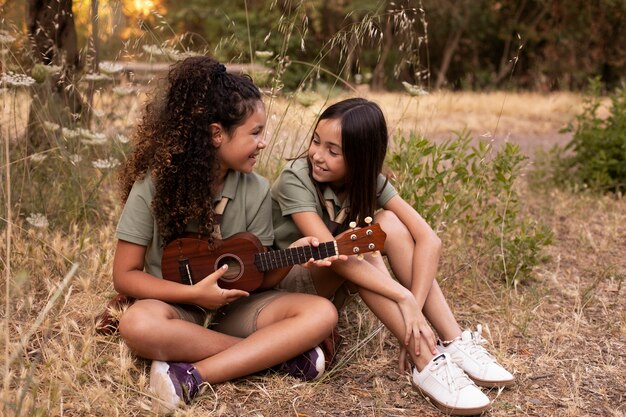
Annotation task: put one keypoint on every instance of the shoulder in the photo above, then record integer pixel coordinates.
(143, 188)
(296, 171)
(254, 181)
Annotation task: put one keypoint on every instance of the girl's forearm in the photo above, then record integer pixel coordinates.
(141, 285)
(366, 275)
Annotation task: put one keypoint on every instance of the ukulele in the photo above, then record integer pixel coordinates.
(188, 260)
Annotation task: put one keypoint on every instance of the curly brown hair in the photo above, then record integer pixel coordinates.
(173, 141)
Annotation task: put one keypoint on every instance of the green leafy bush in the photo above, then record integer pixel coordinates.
(596, 155)
(468, 194)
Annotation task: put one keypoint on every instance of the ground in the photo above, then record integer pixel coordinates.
(563, 333)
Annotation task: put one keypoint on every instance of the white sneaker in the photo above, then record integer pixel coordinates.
(479, 364)
(449, 389)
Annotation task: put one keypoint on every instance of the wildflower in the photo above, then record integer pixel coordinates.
(264, 54)
(125, 90)
(110, 67)
(153, 50)
(69, 133)
(75, 158)
(38, 157)
(17, 80)
(414, 90)
(91, 138)
(108, 163)
(38, 220)
(5, 37)
(122, 138)
(51, 127)
(94, 76)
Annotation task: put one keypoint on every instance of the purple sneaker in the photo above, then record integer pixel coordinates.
(307, 366)
(172, 382)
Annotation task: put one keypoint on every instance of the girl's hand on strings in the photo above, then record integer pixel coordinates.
(313, 241)
(209, 295)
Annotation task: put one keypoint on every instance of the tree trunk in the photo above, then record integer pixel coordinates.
(451, 45)
(52, 32)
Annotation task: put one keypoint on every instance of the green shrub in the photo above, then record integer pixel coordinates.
(596, 155)
(469, 192)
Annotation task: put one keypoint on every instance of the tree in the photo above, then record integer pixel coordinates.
(52, 32)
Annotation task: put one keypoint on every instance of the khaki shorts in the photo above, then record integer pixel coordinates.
(300, 280)
(239, 318)
(194, 314)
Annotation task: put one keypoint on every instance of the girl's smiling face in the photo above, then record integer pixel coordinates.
(326, 154)
(239, 150)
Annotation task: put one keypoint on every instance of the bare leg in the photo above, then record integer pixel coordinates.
(288, 326)
(153, 330)
(402, 255)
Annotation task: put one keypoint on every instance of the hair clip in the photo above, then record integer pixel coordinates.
(221, 68)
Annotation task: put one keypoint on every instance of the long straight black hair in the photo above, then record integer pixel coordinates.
(364, 140)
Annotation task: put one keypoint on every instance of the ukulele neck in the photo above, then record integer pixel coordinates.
(275, 259)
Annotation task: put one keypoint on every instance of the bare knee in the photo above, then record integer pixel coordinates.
(393, 226)
(139, 321)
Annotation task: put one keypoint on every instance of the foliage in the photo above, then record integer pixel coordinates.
(596, 155)
(457, 186)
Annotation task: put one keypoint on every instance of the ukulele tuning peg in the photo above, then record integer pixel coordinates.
(352, 225)
(368, 220)
(359, 257)
(376, 253)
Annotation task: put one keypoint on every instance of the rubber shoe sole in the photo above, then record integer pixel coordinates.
(165, 398)
(451, 410)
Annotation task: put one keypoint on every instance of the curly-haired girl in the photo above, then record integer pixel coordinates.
(195, 146)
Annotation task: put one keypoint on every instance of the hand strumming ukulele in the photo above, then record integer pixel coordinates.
(188, 260)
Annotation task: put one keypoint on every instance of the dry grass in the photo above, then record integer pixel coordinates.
(564, 334)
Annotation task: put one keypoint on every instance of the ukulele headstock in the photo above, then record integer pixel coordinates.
(361, 240)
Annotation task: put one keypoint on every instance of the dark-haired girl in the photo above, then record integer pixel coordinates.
(339, 180)
(195, 149)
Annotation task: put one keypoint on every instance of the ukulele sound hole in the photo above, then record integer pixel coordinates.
(235, 267)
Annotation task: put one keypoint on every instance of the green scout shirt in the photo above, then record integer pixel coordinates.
(249, 209)
(294, 192)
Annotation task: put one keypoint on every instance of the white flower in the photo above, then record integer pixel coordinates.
(17, 80)
(125, 90)
(6, 37)
(98, 139)
(75, 158)
(110, 67)
(97, 77)
(153, 50)
(264, 54)
(122, 138)
(105, 163)
(38, 157)
(51, 127)
(181, 55)
(69, 133)
(38, 220)
(91, 138)
(414, 90)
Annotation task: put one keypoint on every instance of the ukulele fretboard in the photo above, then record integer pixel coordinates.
(267, 261)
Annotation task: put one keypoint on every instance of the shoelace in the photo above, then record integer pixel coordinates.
(475, 347)
(453, 375)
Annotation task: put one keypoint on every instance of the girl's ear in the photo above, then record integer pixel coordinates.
(217, 134)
